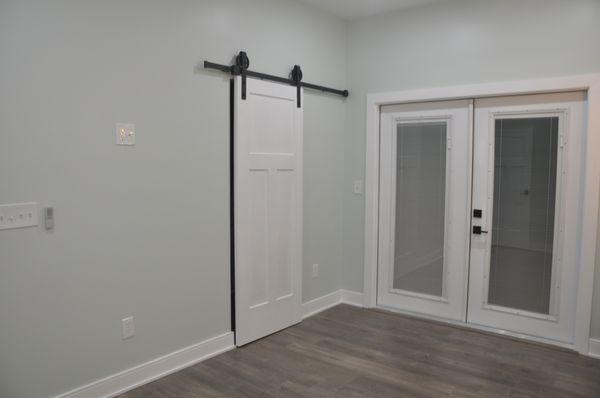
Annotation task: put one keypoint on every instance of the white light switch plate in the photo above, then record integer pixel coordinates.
(125, 133)
(18, 215)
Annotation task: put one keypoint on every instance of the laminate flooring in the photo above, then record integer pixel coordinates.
(351, 352)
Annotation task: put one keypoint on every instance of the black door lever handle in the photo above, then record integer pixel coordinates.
(478, 231)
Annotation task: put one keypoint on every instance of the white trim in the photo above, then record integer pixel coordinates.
(129, 379)
(352, 298)
(320, 304)
(332, 299)
(595, 348)
(587, 249)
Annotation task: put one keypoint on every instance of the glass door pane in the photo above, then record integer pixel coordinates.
(523, 213)
(420, 207)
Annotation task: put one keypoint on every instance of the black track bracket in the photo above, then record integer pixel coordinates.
(296, 76)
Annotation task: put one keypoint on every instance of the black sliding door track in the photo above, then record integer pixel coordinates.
(240, 68)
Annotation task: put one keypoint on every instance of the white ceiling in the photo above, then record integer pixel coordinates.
(352, 9)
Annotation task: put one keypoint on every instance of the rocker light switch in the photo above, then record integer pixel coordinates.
(49, 218)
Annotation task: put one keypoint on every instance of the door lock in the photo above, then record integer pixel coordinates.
(478, 231)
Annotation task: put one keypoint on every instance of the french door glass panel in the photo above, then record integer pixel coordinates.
(424, 207)
(523, 213)
(526, 178)
(420, 207)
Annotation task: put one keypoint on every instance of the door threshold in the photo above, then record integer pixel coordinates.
(479, 328)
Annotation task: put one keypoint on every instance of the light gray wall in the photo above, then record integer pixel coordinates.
(144, 231)
(595, 327)
(454, 43)
(141, 231)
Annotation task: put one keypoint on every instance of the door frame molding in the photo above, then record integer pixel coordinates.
(591, 183)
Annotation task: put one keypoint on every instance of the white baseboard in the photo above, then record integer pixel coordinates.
(595, 348)
(155, 369)
(352, 298)
(322, 303)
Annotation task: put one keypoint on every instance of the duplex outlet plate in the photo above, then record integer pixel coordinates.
(128, 327)
(18, 215)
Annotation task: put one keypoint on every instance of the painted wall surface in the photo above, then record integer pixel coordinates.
(142, 230)
(454, 43)
(595, 327)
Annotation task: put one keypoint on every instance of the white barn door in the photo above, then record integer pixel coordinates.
(268, 209)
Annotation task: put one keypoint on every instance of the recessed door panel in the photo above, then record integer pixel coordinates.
(258, 248)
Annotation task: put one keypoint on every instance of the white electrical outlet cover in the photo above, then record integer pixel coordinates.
(18, 215)
(125, 134)
(128, 327)
(358, 187)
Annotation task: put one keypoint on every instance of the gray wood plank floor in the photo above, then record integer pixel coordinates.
(350, 352)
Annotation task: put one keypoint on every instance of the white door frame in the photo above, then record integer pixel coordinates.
(591, 182)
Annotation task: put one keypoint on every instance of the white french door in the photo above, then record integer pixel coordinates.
(425, 190)
(268, 209)
(479, 211)
(526, 185)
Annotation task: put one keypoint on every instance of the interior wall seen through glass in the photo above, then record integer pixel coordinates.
(420, 208)
(525, 163)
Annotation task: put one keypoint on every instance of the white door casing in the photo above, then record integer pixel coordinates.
(267, 209)
(415, 255)
(559, 324)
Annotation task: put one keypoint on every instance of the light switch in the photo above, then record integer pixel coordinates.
(49, 218)
(18, 215)
(125, 134)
